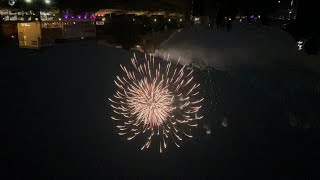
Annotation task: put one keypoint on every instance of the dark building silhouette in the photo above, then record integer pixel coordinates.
(205, 7)
(197, 7)
(307, 16)
(305, 26)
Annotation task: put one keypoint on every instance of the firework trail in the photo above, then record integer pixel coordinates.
(156, 98)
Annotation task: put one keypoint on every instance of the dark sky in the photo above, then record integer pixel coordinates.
(168, 4)
(100, 3)
(96, 4)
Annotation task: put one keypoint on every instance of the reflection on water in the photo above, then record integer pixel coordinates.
(143, 33)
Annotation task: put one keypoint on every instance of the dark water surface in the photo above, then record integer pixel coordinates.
(55, 121)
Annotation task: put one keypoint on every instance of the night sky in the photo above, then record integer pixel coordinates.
(176, 4)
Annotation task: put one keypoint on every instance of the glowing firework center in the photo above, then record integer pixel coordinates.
(156, 98)
(150, 102)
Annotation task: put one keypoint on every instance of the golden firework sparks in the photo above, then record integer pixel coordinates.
(156, 98)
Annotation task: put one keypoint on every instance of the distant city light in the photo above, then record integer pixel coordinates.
(59, 19)
(278, 2)
(47, 1)
(180, 20)
(99, 23)
(224, 124)
(79, 17)
(300, 45)
(28, 1)
(155, 20)
(169, 20)
(133, 19)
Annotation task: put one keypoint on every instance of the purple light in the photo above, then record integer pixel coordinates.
(79, 17)
(65, 16)
(252, 16)
(72, 17)
(85, 17)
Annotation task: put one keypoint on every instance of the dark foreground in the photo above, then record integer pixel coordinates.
(55, 120)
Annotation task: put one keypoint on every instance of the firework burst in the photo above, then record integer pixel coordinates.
(156, 98)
